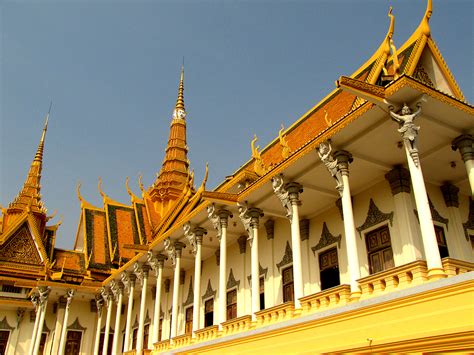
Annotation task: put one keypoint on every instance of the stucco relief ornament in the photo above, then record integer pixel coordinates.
(408, 129)
(246, 220)
(179, 114)
(69, 295)
(35, 301)
(169, 247)
(324, 152)
(215, 219)
(43, 294)
(278, 185)
(190, 236)
(99, 302)
(138, 271)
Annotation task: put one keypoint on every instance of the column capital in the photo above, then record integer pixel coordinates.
(141, 270)
(173, 248)
(156, 261)
(69, 296)
(117, 287)
(250, 218)
(288, 193)
(219, 218)
(465, 144)
(43, 294)
(343, 158)
(106, 295)
(399, 180)
(128, 279)
(194, 235)
(450, 195)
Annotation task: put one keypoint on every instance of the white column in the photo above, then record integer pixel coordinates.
(219, 219)
(430, 244)
(174, 252)
(409, 231)
(43, 299)
(344, 158)
(465, 144)
(294, 189)
(250, 218)
(118, 292)
(100, 303)
(129, 281)
(61, 309)
(157, 263)
(35, 301)
(409, 133)
(108, 302)
(196, 242)
(62, 341)
(145, 268)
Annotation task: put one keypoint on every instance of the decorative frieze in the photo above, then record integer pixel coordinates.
(326, 239)
(242, 240)
(270, 228)
(374, 217)
(399, 180)
(450, 195)
(408, 129)
(304, 229)
(287, 257)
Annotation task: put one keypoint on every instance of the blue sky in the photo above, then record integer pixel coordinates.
(112, 68)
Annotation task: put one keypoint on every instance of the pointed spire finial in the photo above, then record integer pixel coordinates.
(180, 100)
(424, 25)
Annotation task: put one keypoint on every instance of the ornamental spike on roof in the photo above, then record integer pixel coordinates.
(30, 195)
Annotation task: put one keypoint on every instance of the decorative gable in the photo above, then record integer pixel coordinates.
(20, 248)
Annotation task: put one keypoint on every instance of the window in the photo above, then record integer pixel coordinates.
(73, 342)
(188, 326)
(4, 335)
(134, 338)
(288, 286)
(109, 344)
(11, 288)
(146, 332)
(379, 250)
(441, 239)
(209, 313)
(44, 336)
(160, 329)
(231, 304)
(329, 269)
(262, 292)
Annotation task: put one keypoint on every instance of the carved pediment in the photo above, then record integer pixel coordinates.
(20, 248)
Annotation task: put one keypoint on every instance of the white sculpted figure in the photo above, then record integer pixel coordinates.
(246, 219)
(215, 219)
(190, 236)
(324, 152)
(408, 129)
(170, 250)
(279, 189)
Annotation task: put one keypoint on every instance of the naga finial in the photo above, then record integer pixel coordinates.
(140, 183)
(258, 166)
(286, 150)
(99, 186)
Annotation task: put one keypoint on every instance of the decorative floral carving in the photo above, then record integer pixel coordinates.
(209, 291)
(20, 248)
(231, 282)
(326, 239)
(287, 257)
(190, 298)
(421, 75)
(374, 217)
(261, 272)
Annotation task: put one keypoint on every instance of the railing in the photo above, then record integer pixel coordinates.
(274, 314)
(237, 325)
(333, 297)
(207, 333)
(181, 340)
(396, 278)
(162, 345)
(453, 267)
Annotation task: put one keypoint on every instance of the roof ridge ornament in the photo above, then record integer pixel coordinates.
(286, 150)
(258, 166)
(424, 26)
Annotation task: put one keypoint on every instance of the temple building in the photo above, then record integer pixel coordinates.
(352, 231)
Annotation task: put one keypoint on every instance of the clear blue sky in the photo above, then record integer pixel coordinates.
(111, 69)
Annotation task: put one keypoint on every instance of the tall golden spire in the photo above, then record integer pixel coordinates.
(30, 195)
(174, 171)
